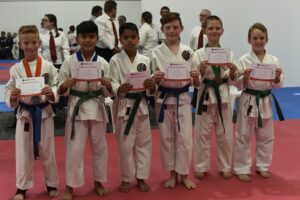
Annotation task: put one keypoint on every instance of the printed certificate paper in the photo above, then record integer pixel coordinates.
(177, 72)
(218, 56)
(86, 71)
(136, 79)
(30, 86)
(263, 72)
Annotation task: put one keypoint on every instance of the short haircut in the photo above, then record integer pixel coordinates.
(258, 26)
(211, 18)
(164, 8)
(96, 10)
(206, 10)
(110, 5)
(170, 17)
(86, 27)
(128, 26)
(28, 29)
(147, 17)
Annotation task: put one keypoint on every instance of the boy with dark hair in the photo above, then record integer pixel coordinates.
(133, 129)
(86, 112)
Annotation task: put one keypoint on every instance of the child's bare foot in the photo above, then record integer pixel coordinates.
(226, 175)
(68, 194)
(244, 177)
(142, 185)
(188, 183)
(52, 191)
(200, 175)
(124, 187)
(100, 190)
(171, 182)
(20, 194)
(264, 174)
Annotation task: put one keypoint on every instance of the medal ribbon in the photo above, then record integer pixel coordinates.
(38, 68)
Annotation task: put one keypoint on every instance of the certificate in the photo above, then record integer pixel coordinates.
(218, 56)
(30, 86)
(136, 79)
(263, 72)
(177, 72)
(86, 71)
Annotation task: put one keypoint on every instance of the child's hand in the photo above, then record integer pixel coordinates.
(15, 94)
(233, 69)
(247, 73)
(69, 82)
(105, 82)
(277, 75)
(124, 88)
(195, 76)
(150, 84)
(158, 76)
(47, 91)
(203, 66)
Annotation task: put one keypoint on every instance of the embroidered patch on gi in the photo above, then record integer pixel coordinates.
(186, 55)
(141, 67)
(46, 78)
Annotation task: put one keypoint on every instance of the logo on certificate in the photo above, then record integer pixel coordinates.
(186, 55)
(141, 67)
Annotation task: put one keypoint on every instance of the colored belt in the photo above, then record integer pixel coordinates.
(261, 94)
(215, 86)
(83, 97)
(137, 96)
(167, 92)
(36, 116)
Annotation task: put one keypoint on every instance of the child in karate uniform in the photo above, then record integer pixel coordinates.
(253, 117)
(213, 107)
(86, 113)
(35, 125)
(173, 103)
(133, 131)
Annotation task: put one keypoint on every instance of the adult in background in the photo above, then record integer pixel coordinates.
(108, 27)
(122, 19)
(163, 12)
(96, 12)
(54, 43)
(197, 37)
(148, 35)
(197, 40)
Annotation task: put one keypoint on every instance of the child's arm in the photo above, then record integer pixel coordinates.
(14, 97)
(11, 92)
(69, 82)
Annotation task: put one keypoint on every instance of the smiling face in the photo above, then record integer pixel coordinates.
(214, 31)
(87, 42)
(172, 30)
(29, 43)
(258, 39)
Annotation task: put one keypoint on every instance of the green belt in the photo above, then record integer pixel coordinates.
(137, 96)
(215, 86)
(83, 97)
(261, 94)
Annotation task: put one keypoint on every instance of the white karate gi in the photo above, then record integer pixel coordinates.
(176, 145)
(148, 39)
(24, 138)
(134, 149)
(247, 120)
(194, 36)
(210, 119)
(90, 122)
